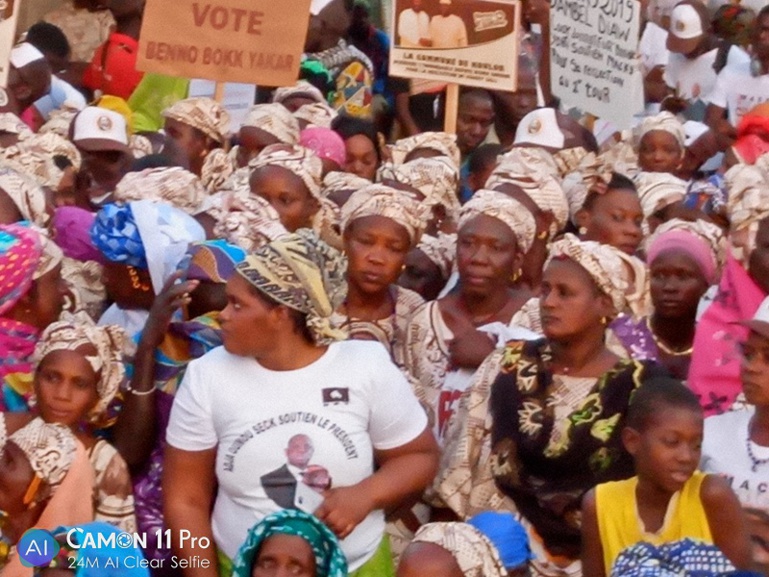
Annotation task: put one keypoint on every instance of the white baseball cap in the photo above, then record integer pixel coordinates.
(760, 321)
(540, 127)
(96, 129)
(23, 54)
(686, 28)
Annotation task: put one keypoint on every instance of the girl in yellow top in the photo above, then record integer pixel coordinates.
(668, 499)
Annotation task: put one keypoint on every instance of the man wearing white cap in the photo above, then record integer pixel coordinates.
(696, 55)
(29, 78)
(102, 139)
(447, 30)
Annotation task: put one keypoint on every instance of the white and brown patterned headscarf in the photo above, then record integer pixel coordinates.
(297, 159)
(50, 449)
(36, 157)
(748, 205)
(174, 185)
(512, 213)
(665, 122)
(249, 222)
(204, 114)
(657, 190)
(475, 554)
(317, 114)
(274, 119)
(26, 194)
(436, 178)
(441, 142)
(441, 250)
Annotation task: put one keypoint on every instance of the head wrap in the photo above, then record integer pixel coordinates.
(36, 157)
(666, 122)
(474, 552)
(301, 88)
(140, 146)
(217, 168)
(213, 260)
(249, 222)
(329, 557)
(342, 182)
(75, 331)
(441, 142)
(50, 256)
(534, 171)
(299, 160)
(303, 273)
(59, 121)
(507, 535)
(397, 205)
(72, 226)
(701, 240)
(506, 209)
(12, 124)
(657, 190)
(26, 194)
(145, 234)
(316, 114)
(174, 185)
(274, 119)
(747, 206)
(683, 557)
(204, 114)
(441, 250)
(325, 143)
(85, 285)
(435, 178)
(49, 447)
(20, 251)
(605, 265)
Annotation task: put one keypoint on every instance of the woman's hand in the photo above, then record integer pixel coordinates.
(344, 508)
(171, 298)
(470, 348)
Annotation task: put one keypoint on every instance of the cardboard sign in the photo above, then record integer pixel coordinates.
(248, 41)
(467, 42)
(9, 13)
(594, 63)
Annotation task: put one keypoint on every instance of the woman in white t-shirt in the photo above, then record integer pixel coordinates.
(736, 444)
(287, 415)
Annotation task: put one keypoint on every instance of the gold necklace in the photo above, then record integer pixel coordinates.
(666, 349)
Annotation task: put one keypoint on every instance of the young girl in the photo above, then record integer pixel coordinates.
(78, 370)
(668, 500)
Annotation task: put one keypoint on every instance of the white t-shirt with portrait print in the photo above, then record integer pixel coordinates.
(349, 402)
(738, 91)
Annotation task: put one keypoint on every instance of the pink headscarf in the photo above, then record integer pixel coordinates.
(325, 143)
(692, 245)
(73, 226)
(714, 373)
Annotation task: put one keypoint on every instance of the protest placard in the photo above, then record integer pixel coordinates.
(467, 42)
(237, 99)
(594, 64)
(248, 41)
(9, 13)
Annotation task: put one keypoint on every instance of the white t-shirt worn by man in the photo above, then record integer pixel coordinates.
(412, 26)
(448, 31)
(346, 404)
(738, 91)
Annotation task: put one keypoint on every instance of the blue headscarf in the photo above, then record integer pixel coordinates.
(213, 260)
(116, 235)
(507, 535)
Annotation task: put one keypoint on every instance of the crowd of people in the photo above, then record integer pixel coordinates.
(335, 340)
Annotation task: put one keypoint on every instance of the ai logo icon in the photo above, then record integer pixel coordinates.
(37, 548)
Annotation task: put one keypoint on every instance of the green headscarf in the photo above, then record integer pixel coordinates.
(329, 558)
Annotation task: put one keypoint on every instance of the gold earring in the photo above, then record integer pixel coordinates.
(516, 275)
(604, 321)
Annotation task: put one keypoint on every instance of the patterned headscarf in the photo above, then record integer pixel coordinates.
(702, 240)
(474, 553)
(656, 190)
(217, 168)
(205, 114)
(435, 178)
(299, 160)
(666, 122)
(59, 121)
(49, 447)
(441, 250)
(512, 213)
(249, 222)
(533, 171)
(36, 155)
(748, 205)
(316, 114)
(342, 182)
(20, 251)
(174, 185)
(325, 143)
(50, 256)
(26, 194)
(275, 119)
(75, 331)
(12, 124)
(301, 88)
(305, 274)
(213, 260)
(115, 234)
(442, 142)
(603, 263)
(397, 205)
(329, 557)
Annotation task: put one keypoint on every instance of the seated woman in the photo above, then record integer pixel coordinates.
(142, 243)
(551, 409)
(685, 258)
(449, 338)
(78, 371)
(380, 225)
(736, 444)
(42, 470)
(668, 500)
(31, 298)
(328, 415)
(291, 541)
(714, 373)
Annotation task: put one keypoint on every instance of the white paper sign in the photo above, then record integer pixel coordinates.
(594, 63)
(238, 98)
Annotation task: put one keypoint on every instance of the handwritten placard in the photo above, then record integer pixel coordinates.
(594, 62)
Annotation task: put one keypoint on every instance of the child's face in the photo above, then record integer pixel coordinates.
(754, 369)
(668, 450)
(66, 386)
